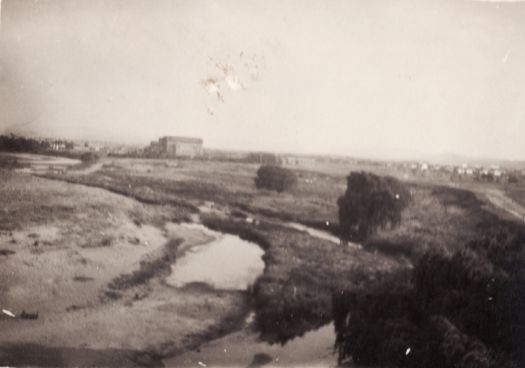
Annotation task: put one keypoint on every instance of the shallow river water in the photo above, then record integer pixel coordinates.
(243, 349)
(228, 262)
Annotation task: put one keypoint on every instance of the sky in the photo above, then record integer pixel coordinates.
(369, 78)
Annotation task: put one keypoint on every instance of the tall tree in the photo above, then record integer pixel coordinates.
(370, 202)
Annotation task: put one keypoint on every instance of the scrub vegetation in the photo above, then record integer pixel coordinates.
(458, 308)
(275, 178)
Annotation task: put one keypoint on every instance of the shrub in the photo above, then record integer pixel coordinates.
(370, 202)
(275, 178)
(89, 157)
(461, 310)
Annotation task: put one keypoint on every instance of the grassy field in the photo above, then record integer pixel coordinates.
(516, 193)
(191, 183)
(439, 217)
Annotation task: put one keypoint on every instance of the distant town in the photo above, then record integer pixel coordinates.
(181, 147)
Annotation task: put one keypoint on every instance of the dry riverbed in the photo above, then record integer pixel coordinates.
(81, 259)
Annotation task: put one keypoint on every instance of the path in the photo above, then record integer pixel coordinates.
(499, 199)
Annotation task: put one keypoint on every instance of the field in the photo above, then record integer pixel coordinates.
(90, 251)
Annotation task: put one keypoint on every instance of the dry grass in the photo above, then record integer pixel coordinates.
(439, 217)
(516, 193)
(190, 183)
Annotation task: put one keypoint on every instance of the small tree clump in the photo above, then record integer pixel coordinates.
(89, 157)
(370, 202)
(275, 178)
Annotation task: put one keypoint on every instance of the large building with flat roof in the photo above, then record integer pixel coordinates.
(173, 146)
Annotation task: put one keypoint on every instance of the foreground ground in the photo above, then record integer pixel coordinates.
(63, 248)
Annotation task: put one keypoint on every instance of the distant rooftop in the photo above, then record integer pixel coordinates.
(183, 139)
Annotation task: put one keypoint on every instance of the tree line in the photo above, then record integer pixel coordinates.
(13, 143)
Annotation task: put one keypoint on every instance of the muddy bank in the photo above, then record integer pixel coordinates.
(243, 348)
(158, 266)
(26, 354)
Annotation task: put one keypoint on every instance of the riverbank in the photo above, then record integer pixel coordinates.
(84, 261)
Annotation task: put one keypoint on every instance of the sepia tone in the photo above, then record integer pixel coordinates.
(255, 183)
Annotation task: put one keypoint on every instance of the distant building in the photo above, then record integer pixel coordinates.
(297, 161)
(58, 146)
(171, 146)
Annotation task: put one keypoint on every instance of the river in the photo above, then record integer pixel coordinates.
(241, 263)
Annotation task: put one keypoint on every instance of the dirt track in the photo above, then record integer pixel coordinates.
(499, 199)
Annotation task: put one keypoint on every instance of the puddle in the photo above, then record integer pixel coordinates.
(242, 349)
(325, 235)
(227, 262)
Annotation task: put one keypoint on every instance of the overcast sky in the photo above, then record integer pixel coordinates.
(374, 78)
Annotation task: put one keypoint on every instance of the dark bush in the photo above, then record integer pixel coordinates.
(513, 179)
(461, 310)
(370, 202)
(89, 157)
(275, 178)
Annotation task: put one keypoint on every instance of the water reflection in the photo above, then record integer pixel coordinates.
(243, 349)
(227, 262)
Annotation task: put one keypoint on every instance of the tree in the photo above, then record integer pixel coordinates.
(89, 157)
(275, 178)
(370, 202)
